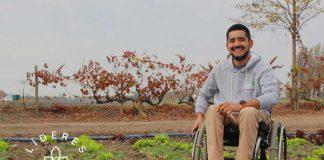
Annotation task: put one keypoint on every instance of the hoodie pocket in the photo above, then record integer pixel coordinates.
(249, 89)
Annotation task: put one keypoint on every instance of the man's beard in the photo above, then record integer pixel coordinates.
(241, 58)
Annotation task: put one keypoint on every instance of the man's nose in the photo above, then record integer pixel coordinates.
(237, 43)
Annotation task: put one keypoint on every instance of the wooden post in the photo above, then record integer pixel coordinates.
(36, 92)
(23, 98)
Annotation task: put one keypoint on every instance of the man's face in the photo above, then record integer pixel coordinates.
(238, 44)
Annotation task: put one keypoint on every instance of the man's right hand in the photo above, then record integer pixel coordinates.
(198, 122)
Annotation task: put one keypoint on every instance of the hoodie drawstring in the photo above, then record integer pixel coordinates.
(231, 84)
(245, 84)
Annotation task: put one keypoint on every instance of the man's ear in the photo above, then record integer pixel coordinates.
(227, 46)
(251, 43)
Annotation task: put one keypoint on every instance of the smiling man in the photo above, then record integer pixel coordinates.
(244, 89)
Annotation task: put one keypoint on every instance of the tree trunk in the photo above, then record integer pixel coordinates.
(23, 96)
(294, 88)
(139, 107)
(36, 93)
(121, 109)
(294, 93)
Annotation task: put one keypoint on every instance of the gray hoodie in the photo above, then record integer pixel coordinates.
(227, 84)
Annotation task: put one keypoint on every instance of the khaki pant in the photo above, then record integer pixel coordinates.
(248, 120)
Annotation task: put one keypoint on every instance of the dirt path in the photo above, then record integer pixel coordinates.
(95, 128)
(306, 122)
(302, 122)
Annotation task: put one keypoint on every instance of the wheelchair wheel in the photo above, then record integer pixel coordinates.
(278, 142)
(259, 150)
(199, 145)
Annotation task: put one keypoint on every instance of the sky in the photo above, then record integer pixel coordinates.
(72, 32)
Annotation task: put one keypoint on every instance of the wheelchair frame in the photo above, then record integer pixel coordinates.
(273, 139)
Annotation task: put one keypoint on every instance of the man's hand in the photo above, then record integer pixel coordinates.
(198, 122)
(227, 108)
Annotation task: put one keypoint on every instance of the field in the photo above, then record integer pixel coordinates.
(105, 120)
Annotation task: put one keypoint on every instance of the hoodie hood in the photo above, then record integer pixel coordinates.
(252, 62)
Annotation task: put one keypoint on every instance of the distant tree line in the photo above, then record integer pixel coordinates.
(132, 77)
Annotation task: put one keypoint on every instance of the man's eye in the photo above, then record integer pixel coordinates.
(232, 40)
(241, 39)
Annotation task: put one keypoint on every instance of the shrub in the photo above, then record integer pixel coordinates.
(317, 139)
(143, 143)
(183, 146)
(105, 156)
(294, 143)
(161, 147)
(95, 150)
(300, 134)
(162, 139)
(48, 140)
(227, 154)
(4, 150)
(4, 146)
(316, 154)
(91, 145)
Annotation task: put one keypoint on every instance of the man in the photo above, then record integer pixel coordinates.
(244, 89)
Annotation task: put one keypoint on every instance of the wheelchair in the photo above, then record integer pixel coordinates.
(271, 139)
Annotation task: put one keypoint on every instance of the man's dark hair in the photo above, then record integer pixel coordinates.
(236, 27)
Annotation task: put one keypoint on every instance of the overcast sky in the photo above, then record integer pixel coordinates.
(74, 31)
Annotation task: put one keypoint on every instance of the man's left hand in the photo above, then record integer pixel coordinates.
(227, 108)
